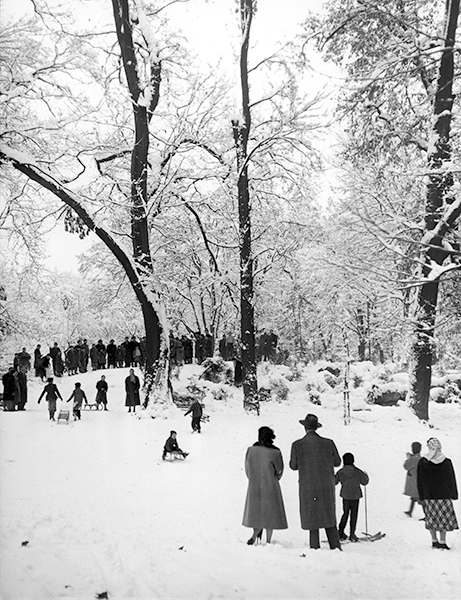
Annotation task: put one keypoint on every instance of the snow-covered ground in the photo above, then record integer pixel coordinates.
(101, 512)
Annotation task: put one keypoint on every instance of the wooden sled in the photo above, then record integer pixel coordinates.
(171, 456)
(63, 415)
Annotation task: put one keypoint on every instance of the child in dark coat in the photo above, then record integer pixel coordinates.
(171, 446)
(79, 396)
(350, 478)
(52, 394)
(197, 412)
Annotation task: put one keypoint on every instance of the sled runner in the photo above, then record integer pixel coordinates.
(204, 419)
(368, 537)
(90, 406)
(171, 456)
(365, 537)
(63, 415)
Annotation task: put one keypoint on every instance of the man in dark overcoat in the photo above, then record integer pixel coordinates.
(314, 458)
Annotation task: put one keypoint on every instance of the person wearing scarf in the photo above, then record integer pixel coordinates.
(437, 489)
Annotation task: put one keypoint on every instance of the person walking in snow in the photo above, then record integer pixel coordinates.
(437, 489)
(51, 393)
(171, 446)
(132, 387)
(197, 412)
(350, 478)
(79, 397)
(411, 467)
(315, 457)
(264, 508)
(101, 394)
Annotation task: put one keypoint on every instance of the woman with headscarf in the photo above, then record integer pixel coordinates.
(264, 507)
(437, 489)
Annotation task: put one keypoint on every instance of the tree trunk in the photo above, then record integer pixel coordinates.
(437, 195)
(241, 132)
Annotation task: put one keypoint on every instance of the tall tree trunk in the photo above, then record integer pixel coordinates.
(438, 193)
(157, 346)
(241, 132)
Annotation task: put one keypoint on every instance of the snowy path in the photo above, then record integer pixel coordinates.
(102, 512)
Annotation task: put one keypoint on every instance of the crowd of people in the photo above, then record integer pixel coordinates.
(82, 357)
(430, 481)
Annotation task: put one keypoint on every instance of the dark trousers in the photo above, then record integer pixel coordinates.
(77, 413)
(350, 507)
(195, 423)
(332, 535)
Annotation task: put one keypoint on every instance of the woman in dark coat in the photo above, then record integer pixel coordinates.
(132, 387)
(437, 488)
(264, 507)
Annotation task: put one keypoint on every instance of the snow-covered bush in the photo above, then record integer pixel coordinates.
(279, 389)
(330, 379)
(389, 394)
(314, 397)
(221, 394)
(217, 371)
(357, 381)
(438, 394)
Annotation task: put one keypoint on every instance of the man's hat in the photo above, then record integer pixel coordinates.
(311, 422)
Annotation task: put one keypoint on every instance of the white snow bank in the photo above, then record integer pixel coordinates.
(101, 512)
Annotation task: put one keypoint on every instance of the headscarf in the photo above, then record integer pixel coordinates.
(435, 451)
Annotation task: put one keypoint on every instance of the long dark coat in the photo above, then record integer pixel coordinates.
(132, 391)
(315, 457)
(264, 507)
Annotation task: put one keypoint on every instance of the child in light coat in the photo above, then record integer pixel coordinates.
(411, 467)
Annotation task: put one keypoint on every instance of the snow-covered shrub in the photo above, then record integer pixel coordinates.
(389, 394)
(279, 389)
(217, 371)
(446, 394)
(221, 394)
(196, 390)
(330, 379)
(264, 394)
(357, 381)
(438, 394)
(273, 389)
(332, 368)
(296, 371)
(314, 397)
(384, 374)
(193, 391)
